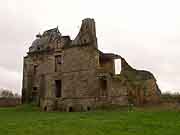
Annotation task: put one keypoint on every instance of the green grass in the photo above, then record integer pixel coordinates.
(28, 120)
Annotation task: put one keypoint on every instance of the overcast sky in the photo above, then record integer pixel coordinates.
(145, 32)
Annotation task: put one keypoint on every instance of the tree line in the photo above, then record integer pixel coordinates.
(5, 93)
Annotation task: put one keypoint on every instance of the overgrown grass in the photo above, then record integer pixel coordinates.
(29, 120)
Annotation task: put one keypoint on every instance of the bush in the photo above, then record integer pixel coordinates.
(170, 97)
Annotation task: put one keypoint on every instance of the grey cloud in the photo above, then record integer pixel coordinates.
(16, 35)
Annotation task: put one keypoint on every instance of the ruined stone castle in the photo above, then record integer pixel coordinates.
(74, 75)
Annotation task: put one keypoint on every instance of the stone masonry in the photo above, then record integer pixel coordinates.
(73, 75)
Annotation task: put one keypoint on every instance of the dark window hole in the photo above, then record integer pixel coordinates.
(45, 108)
(88, 108)
(70, 109)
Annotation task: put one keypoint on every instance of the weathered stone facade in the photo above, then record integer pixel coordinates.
(73, 75)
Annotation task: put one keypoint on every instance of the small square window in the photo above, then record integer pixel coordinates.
(34, 88)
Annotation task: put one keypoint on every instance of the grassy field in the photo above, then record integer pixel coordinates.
(28, 120)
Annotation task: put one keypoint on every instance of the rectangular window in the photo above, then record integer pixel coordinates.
(103, 84)
(34, 93)
(58, 88)
(59, 59)
(103, 87)
(58, 62)
(35, 69)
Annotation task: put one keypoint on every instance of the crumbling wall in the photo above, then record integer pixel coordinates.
(107, 66)
(141, 85)
(87, 33)
(47, 41)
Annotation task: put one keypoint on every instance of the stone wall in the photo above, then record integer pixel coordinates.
(9, 102)
(118, 92)
(36, 66)
(107, 66)
(141, 85)
(87, 33)
(78, 71)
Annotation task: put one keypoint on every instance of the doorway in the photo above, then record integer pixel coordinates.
(58, 88)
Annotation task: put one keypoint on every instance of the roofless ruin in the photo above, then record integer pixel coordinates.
(74, 75)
